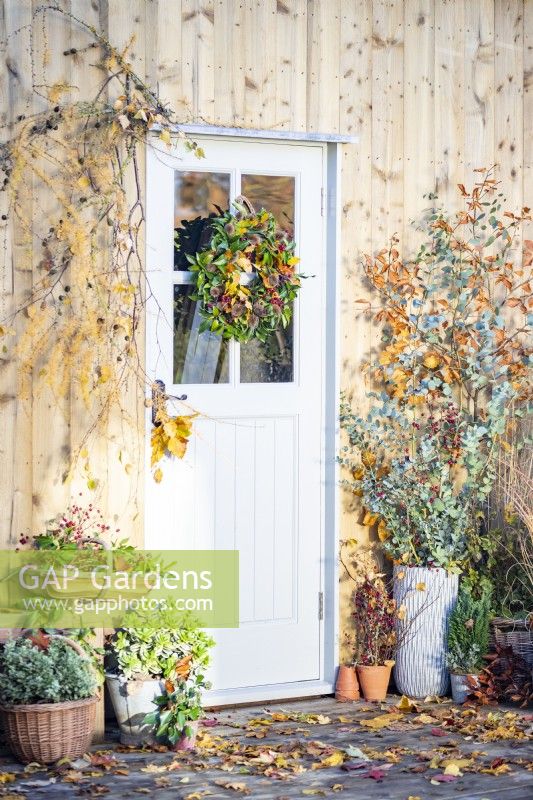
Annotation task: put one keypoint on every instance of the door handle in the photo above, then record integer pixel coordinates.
(158, 391)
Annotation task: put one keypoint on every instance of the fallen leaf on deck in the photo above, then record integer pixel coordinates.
(453, 769)
(376, 773)
(355, 752)
(7, 777)
(436, 779)
(235, 787)
(155, 768)
(380, 722)
(438, 732)
(406, 705)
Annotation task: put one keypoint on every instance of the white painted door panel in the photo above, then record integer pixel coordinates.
(252, 479)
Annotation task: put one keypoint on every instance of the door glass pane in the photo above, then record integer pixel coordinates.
(196, 196)
(270, 361)
(198, 357)
(273, 192)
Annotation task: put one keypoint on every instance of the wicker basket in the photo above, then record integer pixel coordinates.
(46, 732)
(516, 633)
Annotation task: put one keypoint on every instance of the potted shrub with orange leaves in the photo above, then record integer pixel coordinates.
(455, 360)
(374, 615)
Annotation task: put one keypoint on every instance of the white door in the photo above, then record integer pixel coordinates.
(252, 479)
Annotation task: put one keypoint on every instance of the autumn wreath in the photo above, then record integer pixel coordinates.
(246, 277)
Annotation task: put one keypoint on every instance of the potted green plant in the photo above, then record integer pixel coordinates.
(48, 696)
(374, 617)
(452, 365)
(468, 638)
(178, 710)
(138, 662)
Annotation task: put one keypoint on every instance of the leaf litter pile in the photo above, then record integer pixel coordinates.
(409, 747)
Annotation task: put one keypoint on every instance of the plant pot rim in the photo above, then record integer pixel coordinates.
(465, 674)
(118, 677)
(375, 666)
(39, 708)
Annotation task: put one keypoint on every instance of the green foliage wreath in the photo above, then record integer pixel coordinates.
(246, 278)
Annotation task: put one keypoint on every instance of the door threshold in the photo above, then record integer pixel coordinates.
(248, 695)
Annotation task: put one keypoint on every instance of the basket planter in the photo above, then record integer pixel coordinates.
(461, 687)
(132, 701)
(46, 732)
(516, 633)
(346, 687)
(428, 596)
(374, 681)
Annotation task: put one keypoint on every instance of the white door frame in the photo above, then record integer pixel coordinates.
(329, 624)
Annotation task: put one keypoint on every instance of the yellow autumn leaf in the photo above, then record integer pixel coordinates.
(420, 586)
(165, 137)
(334, 760)
(368, 458)
(406, 705)
(105, 374)
(426, 719)
(293, 260)
(431, 361)
(7, 777)
(400, 575)
(383, 531)
(452, 769)
(380, 722)
(158, 475)
(83, 181)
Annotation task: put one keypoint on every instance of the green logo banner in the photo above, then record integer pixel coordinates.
(113, 589)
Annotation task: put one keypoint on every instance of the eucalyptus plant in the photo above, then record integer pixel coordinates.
(455, 359)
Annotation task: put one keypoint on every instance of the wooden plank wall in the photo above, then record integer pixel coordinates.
(433, 88)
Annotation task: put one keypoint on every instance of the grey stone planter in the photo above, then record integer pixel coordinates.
(421, 669)
(132, 701)
(460, 686)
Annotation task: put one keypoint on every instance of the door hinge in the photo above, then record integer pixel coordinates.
(321, 605)
(322, 193)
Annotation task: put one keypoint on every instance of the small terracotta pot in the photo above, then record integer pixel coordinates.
(374, 681)
(347, 687)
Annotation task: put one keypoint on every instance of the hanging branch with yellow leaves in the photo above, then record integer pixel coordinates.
(72, 172)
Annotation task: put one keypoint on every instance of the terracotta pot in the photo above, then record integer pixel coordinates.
(347, 687)
(374, 681)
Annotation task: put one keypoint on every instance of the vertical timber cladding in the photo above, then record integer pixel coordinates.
(433, 88)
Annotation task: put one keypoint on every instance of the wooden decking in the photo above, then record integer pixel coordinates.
(310, 748)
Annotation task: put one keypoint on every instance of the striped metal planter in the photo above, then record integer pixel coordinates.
(428, 596)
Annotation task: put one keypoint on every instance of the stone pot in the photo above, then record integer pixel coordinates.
(461, 687)
(374, 681)
(428, 596)
(346, 687)
(132, 701)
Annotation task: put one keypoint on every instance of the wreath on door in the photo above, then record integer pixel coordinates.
(246, 279)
